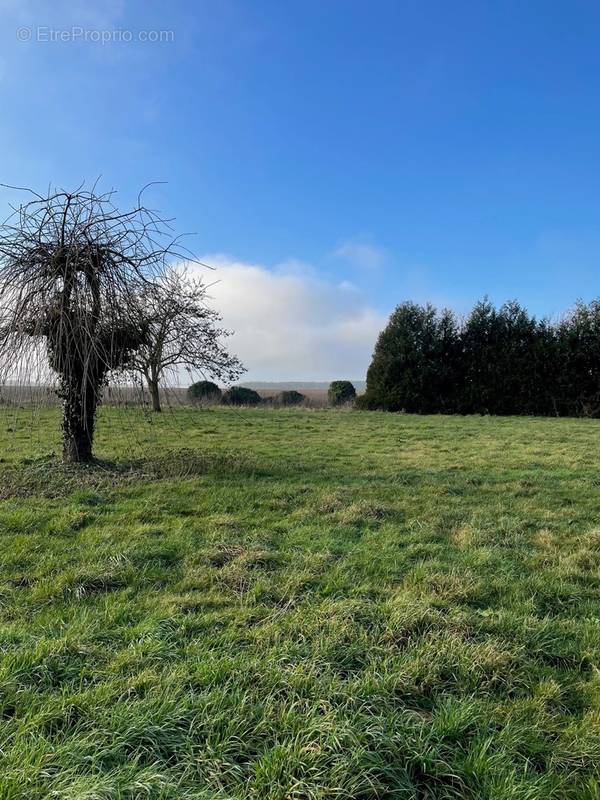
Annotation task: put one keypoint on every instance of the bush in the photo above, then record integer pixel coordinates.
(289, 398)
(204, 392)
(364, 403)
(340, 393)
(241, 396)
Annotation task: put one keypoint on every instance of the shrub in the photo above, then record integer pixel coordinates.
(364, 403)
(204, 392)
(241, 396)
(340, 393)
(289, 398)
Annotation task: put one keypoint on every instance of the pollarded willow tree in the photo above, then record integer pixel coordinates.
(72, 269)
(182, 331)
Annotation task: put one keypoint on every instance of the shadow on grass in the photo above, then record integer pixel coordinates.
(49, 477)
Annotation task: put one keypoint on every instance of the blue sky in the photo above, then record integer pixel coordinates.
(341, 156)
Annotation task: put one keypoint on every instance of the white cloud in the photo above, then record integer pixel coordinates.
(289, 324)
(361, 253)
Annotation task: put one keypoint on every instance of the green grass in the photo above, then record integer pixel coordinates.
(301, 605)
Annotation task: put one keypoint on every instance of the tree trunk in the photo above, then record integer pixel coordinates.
(154, 394)
(79, 417)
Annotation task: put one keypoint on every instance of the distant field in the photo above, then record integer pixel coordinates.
(174, 397)
(276, 605)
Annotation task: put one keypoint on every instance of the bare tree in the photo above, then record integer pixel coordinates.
(181, 331)
(72, 267)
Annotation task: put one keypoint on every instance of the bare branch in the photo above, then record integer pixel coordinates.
(182, 330)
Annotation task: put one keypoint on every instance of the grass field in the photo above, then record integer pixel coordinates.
(301, 604)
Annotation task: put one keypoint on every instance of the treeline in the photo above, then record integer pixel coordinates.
(494, 361)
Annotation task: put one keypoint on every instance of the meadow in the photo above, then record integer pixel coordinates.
(294, 604)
